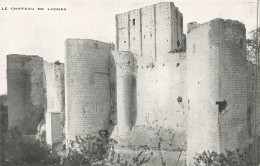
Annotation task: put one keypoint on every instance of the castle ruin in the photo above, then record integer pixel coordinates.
(157, 91)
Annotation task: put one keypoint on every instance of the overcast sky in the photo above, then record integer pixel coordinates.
(43, 32)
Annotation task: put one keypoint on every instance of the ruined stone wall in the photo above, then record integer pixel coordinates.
(55, 93)
(253, 106)
(150, 32)
(159, 118)
(3, 126)
(113, 99)
(161, 93)
(54, 128)
(230, 37)
(253, 92)
(154, 33)
(55, 87)
(87, 85)
(161, 107)
(217, 92)
(26, 99)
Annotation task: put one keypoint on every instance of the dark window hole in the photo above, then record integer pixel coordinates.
(178, 43)
(222, 106)
(179, 99)
(193, 48)
(241, 43)
(96, 45)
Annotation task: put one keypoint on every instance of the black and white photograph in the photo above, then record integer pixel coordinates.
(129, 83)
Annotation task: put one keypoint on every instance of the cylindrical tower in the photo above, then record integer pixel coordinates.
(87, 87)
(124, 61)
(26, 99)
(217, 91)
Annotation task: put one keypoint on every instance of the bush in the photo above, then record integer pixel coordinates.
(98, 151)
(21, 150)
(88, 150)
(239, 157)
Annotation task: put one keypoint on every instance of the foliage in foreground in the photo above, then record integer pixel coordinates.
(252, 46)
(21, 150)
(239, 157)
(88, 150)
(92, 150)
(98, 151)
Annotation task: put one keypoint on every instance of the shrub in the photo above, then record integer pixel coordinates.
(239, 157)
(98, 151)
(88, 150)
(21, 150)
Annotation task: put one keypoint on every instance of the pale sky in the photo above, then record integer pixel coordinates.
(43, 32)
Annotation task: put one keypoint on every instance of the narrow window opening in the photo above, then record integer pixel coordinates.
(144, 36)
(133, 22)
(222, 106)
(194, 48)
(124, 41)
(178, 43)
(179, 99)
(178, 64)
(241, 43)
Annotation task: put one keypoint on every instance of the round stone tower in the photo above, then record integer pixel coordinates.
(124, 61)
(217, 93)
(87, 87)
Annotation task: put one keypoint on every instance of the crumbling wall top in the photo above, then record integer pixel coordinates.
(89, 41)
(22, 56)
(228, 22)
(148, 7)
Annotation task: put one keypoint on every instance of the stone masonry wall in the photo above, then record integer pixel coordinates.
(54, 128)
(87, 85)
(125, 88)
(253, 106)
(230, 37)
(25, 85)
(203, 92)
(55, 93)
(252, 91)
(55, 87)
(154, 33)
(217, 118)
(4, 125)
(150, 32)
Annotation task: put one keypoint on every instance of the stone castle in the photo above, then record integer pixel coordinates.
(158, 90)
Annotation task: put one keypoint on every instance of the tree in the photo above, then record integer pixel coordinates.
(252, 46)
